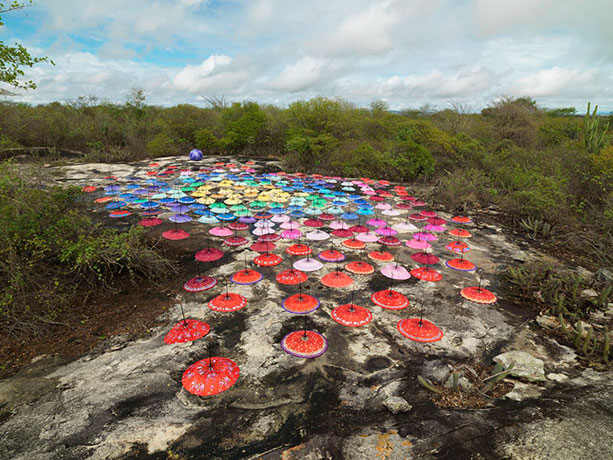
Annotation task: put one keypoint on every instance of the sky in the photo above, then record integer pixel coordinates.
(405, 52)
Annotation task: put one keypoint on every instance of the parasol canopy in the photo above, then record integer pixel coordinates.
(396, 272)
(457, 246)
(187, 330)
(331, 255)
(337, 279)
(209, 255)
(426, 274)
(210, 376)
(298, 250)
(175, 234)
(300, 304)
(304, 344)
(246, 276)
(267, 259)
(291, 277)
(419, 330)
(462, 265)
(351, 315)
(308, 264)
(381, 256)
(227, 302)
(359, 267)
(426, 258)
(200, 283)
(478, 295)
(390, 299)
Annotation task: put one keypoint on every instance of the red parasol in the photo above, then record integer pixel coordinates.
(175, 234)
(326, 216)
(359, 229)
(88, 189)
(300, 304)
(262, 246)
(304, 344)
(267, 259)
(315, 223)
(390, 299)
(426, 274)
(390, 241)
(425, 258)
(461, 220)
(419, 330)
(291, 277)
(187, 330)
(150, 222)
(436, 221)
(457, 246)
(200, 283)
(238, 226)
(460, 233)
(119, 214)
(227, 302)
(417, 217)
(270, 237)
(381, 256)
(299, 250)
(351, 315)
(354, 244)
(331, 255)
(235, 241)
(359, 267)
(479, 295)
(462, 265)
(342, 233)
(337, 279)
(210, 376)
(246, 276)
(209, 255)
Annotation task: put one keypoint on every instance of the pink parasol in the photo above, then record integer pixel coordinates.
(395, 271)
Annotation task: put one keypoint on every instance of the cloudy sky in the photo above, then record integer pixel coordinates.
(405, 52)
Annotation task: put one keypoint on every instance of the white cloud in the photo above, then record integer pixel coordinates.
(404, 51)
(216, 73)
(559, 80)
(304, 74)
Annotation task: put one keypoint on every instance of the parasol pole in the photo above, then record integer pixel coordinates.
(352, 297)
(183, 314)
(198, 268)
(480, 273)
(421, 311)
(227, 288)
(209, 350)
(305, 326)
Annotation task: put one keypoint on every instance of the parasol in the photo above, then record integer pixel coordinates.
(210, 376)
(227, 302)
(426, 274)
(304, 344)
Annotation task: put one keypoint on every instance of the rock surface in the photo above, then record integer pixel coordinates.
(526, 366)
(360, 400)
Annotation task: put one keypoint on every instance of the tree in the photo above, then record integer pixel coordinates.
(14, 58)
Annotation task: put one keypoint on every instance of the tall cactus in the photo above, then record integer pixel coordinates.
(593, 133)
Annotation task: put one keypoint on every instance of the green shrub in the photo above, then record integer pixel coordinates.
(207, 141)
(51, 253)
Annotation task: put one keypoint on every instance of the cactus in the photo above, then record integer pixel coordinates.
(428, 385)
(499, 374)
(455, 380)
(605, 346)
(593, 133)
(588, 339)
(563, 325)
(578, 335)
